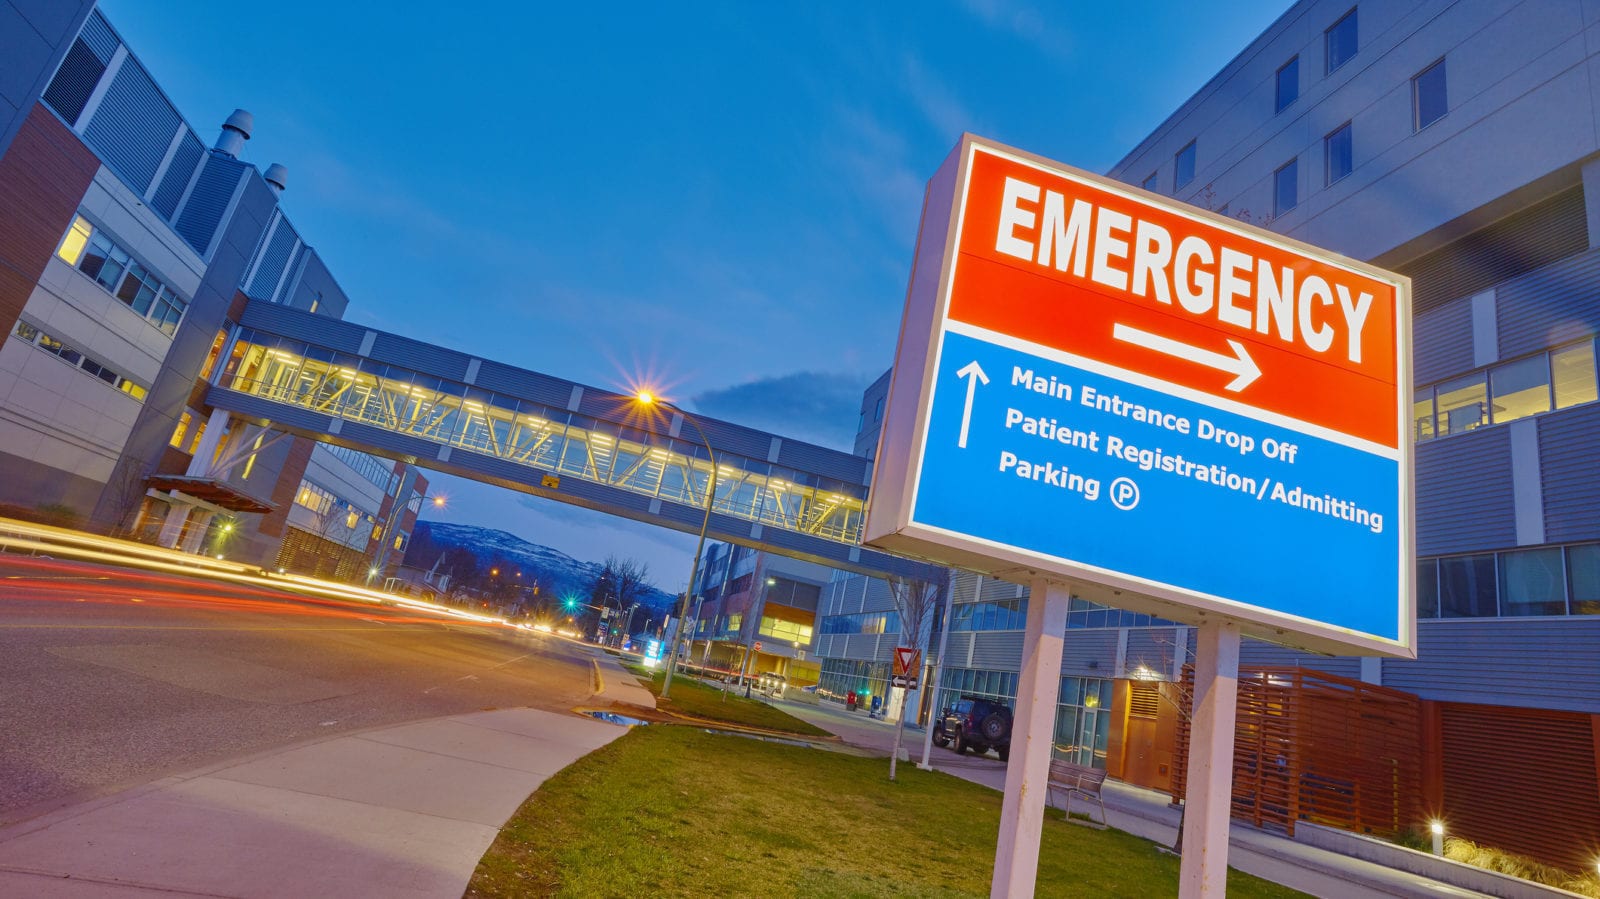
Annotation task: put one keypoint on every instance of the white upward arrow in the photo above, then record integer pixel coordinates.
(1240, 365)
(973, 372)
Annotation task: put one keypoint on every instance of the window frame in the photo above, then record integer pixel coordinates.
(1278, 208)
(1328, 143)
(1178, 181)
(1279, 104)
(1417, 124)
(1328, 36)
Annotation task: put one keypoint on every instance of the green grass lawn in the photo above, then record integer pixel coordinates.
(675, 811)
(696, 700)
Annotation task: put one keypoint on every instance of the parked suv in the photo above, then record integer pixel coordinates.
(976, 724)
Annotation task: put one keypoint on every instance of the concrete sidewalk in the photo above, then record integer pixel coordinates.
(1148, 814)
(401, 811)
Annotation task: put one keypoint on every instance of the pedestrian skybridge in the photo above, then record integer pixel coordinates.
(392, 396)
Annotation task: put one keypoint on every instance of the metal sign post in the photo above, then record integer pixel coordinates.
(1209, 791)
(1016, 859)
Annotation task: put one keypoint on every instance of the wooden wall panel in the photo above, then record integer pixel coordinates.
(43, 176)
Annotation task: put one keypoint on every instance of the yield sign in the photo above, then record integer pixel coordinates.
(907, 661)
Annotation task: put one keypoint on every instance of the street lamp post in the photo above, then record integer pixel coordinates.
(649, 399)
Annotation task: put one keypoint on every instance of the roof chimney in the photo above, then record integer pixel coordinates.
(235, 131)
(277, 177)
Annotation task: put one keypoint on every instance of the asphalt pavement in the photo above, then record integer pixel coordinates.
(398, 811)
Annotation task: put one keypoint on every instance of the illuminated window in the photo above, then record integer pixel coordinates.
(1422, 413)
(1572, 374)
(351, 518)
(1520, 389)
(183, 427)
(1463, 404)
(112, 267)
(77, 238)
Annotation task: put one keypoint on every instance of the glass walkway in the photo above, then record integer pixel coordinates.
(540, 434)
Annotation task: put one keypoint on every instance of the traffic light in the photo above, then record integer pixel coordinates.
(572, 604)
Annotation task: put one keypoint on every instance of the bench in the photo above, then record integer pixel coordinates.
(1077, 780)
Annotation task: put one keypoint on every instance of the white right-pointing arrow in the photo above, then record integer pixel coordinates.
(973, 372)
(1240, 365)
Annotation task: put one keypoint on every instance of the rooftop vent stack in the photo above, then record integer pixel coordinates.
(235, 131)
(277, 177)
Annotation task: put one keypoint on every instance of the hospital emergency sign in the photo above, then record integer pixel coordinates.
(1173, 411)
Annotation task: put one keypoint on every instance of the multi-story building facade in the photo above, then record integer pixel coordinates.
(127, 246)
(1457, 143)
(756, 612)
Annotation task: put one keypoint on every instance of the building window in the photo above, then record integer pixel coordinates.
(1288, 85)
(1183, 166)
(1422, 414)
(1533, 582)
(1583, 572)
(1340, 41)
(1467, 586)
(1572, 374)
(95, 254)
(1339, 151)
(1519, 389)
(1463, 404)
(1286, 187)
(29, 334)
(1150, 181)
(1429, 101)
(1428, 588)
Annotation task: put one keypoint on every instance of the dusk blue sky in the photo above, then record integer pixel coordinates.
(719, 198)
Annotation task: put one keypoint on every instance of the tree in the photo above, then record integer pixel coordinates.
(914, 600)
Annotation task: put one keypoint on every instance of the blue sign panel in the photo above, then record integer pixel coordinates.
(1070, 462)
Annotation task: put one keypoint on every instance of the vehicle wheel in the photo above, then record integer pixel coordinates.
(938, 736)
(1005, 753)
(959, 745)
(995, 727)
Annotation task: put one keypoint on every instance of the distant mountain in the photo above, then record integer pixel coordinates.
(557, 573)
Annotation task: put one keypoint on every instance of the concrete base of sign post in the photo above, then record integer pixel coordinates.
(1016, 858)
(1208, 792)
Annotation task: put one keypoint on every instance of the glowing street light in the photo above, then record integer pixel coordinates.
(647, 398)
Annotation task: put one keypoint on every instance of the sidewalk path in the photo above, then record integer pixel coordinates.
(1147, 813)
(402, 811)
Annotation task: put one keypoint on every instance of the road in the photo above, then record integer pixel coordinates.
(111, 678)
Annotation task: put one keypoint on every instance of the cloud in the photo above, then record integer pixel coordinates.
(1021, 21)
(817, 407)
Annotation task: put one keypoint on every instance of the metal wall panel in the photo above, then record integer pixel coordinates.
(999, 650)
(1554, 305)
(422, 357)
(1153, 648)
(955, 652)
(1570, 469)
(197, 221)
(1088, 653)
(99, 37)
(133, 127)
(522, 383)
(1522, 662)
(345, 337)
(178, 175)
(274, 257)
(820, 460)
(1464, 493)
(1442, 342)
(315, 284)
(1256, 654)
(74, 81)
